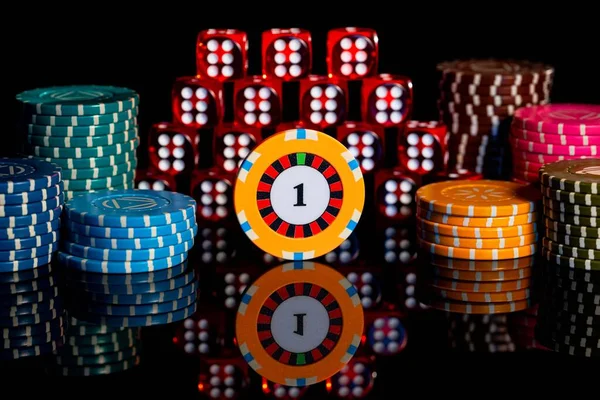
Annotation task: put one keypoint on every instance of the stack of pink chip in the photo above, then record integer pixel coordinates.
(553, 132)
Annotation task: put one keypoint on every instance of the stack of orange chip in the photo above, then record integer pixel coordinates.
(477, 244)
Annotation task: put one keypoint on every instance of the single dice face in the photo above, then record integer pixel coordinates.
(202, 333)
(150, 180)
(282, 392)
(354, 381)
(197, 103)
(367, 285)
(352, 53)
(345, 253)
(232, 284)
(365, 144)
(323, 102)
(258, 103)
(286, 53)
(223, 379)
(214, 196)
(399, 245)
(395, 193)
(232, 146)
(221, 54)
(173, 149)
(423, 147)
(386, 335)
(216, 245)
(387, 100)
(407, 289)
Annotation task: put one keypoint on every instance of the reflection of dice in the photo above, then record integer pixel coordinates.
(173, 149)
(352, 53)
(367, 281)
(257, 102)
(223, 378)
(345, 253)
(355, 380)
(323, 101)
(215, 244)
(365, 142)
(399, 244)
(286, 53)
(386, 335)
(423, 147)
(213, 192)
(197, 103)
(232, 144)
(387, 100)
(395, 192)
(231, 282)
(222, 54)
(151, 180)
(406, 283)
(202, 333)
(282, 392)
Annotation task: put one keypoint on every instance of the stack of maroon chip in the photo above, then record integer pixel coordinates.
(476, 99)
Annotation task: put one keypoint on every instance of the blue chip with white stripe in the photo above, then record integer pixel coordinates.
(28, 243)
(31, 231)
(23, 221)
(19, 210)
(32, 197)
(27, 175)
(135, 244)
(130, 233)
(15, 277)
(118, 267)
(125, 255)
(23, 265)
(28, 254)
(130, 208)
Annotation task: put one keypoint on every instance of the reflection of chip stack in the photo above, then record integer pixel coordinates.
(476, 101)
(550, 133)
(487, 333)
(90, 131)
(477, 240)
(32, 319)
(569, 314)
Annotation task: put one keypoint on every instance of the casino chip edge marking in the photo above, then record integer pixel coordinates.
(257, 296)
(286, 146)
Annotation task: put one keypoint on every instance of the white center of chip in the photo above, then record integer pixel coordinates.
(300, 195)
(300, 324)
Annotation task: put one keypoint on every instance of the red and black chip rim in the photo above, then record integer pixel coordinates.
(282, 294)
(263, 195)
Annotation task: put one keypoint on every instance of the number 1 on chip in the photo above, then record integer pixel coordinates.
(299, 194)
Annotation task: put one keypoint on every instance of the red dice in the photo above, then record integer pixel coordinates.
(197, 103)
(257, 102)
(352, 53)
(367, 282)
(202, 334)
(172, 148)
(395, 192)
(399, 244)
(232, 144)
(151, 180)
(423, 147)
(223, 378)
(213, 192)
(286, 53)
(230, 283)
(216, 244)
(323, 101)
(387, 100)
(365, 142)
(386, 334)
(355, 380)
(221, 54)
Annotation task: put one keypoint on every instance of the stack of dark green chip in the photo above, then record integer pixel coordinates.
(569, 314)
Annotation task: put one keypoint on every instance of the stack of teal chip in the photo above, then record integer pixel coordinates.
(90, 131)
(32, 319)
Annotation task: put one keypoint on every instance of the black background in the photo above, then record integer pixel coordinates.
(148, 47)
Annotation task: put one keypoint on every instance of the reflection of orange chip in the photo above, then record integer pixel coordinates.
(478, 308)
(477, 265)
(481, 287)
(485, 198)
(483, 297)
(299, 323)
(484, 276)
(478, 254)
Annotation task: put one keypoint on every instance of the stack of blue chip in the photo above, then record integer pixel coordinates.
(90, 131)
(32, 319)
(92, 350)
(126, 251)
